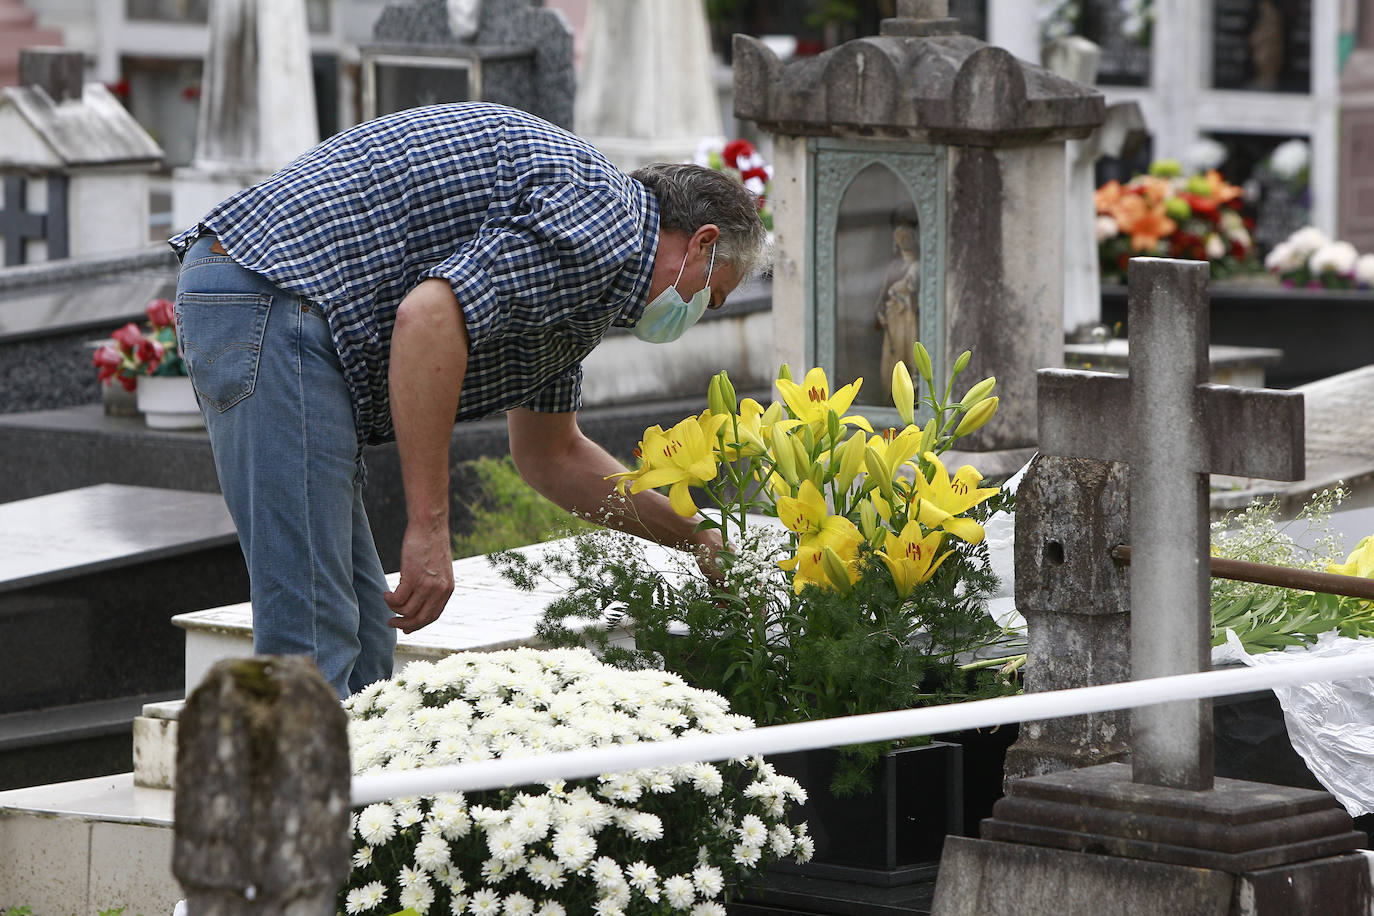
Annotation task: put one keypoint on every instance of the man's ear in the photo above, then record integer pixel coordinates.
(703, 239)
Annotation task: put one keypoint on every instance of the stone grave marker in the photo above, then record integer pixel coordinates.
(513, 52)
(89, 581)
(1162, 833)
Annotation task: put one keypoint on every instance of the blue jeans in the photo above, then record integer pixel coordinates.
(281, 427)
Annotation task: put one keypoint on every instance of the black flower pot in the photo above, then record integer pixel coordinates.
(891, 835)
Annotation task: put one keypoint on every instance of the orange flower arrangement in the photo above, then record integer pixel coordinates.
(1163, 214)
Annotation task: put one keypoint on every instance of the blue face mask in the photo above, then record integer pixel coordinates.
(669, 315)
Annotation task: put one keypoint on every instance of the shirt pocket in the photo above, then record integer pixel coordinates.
(220, 336)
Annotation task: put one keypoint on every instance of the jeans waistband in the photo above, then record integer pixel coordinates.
(202, 248)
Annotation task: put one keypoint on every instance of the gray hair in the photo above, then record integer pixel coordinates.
(690, 196)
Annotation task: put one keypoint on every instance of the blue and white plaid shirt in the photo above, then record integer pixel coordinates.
(546, 244)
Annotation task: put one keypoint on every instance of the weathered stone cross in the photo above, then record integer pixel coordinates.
(1173, 428)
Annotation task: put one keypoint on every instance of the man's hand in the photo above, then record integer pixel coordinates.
(426, 579)
(706, 547)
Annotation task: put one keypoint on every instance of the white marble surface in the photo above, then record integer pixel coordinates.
(113, 799)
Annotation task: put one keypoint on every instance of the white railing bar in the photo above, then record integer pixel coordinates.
(882, 726)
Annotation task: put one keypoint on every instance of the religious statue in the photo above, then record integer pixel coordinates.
(898, 313)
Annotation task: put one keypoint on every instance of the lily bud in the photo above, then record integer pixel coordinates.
(784, 459)
(920, 358)
(903, 393)
(832, 427)
(714, 402)
(976, 417)
(851, 460)
(868, 520)
(961, 363)
(835, 570)
(978, 392)
(878, 472)
(784, 372)
(727, 392)
(928, 437)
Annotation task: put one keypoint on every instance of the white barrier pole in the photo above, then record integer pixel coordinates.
(881, 726)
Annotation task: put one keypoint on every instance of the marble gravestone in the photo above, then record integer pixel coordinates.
(1160, 833)
(89, 581)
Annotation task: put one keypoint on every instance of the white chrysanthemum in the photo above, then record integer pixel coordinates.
(1364, 269)
(573, 847)
(552, 908)
(410, 877)
(781, 840)
(643, 826)
(708, 880)
(747, 855)
(431, 852)
(607, 906)
(605, 871)
(417, 897)
(517, 904)
(805, 849)
(643, 877)
(367, 897)
(376, 824)
(485, 902)
(1307, 240)
(708, 908)
(1289, 158)
(545, 872)
(679, 891)
(707, 780)
(504, 843)
(458, 904)
(362, 858)
(487, 817)
(1336, 257)
(752, 830)
(408, 815)
(530, 823)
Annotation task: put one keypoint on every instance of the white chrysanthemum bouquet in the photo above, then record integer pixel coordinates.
(663, 840)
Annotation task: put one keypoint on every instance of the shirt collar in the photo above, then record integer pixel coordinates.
(633, 284)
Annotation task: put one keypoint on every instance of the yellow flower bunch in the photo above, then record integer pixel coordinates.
(843, 490)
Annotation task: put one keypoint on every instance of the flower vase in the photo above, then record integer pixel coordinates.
(890, 836)
(169, 402)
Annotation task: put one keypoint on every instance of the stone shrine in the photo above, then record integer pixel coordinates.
(924, 141)
(75, 164)
(512, 52)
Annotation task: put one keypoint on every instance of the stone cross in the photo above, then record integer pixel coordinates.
(1173, 428)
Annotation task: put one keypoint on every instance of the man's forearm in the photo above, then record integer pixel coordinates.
(429, 348)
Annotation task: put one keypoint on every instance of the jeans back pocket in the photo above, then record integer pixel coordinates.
(220, 336)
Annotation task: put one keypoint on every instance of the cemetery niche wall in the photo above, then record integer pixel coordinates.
(918, 195)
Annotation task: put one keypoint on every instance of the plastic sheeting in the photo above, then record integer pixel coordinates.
(1330, 725)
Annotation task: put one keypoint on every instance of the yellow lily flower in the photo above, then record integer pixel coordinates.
(887, 453)
(803, 513)
(812, 401)
(910, 556)
(683, 457)
(749, 426)
(1359, 563)
(841, 537)
(943, 499)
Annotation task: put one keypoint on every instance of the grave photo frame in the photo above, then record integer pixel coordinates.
(383, 75)
(844, 303)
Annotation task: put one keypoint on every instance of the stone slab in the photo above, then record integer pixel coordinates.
(982, 878)
(97, 528)
(1236, 826)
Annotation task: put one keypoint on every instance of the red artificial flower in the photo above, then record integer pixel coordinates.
(1202, 206)
(108, 360)
(760, 173)
(736, 152)
(160, 313)
(128, 337)
(149, 353)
